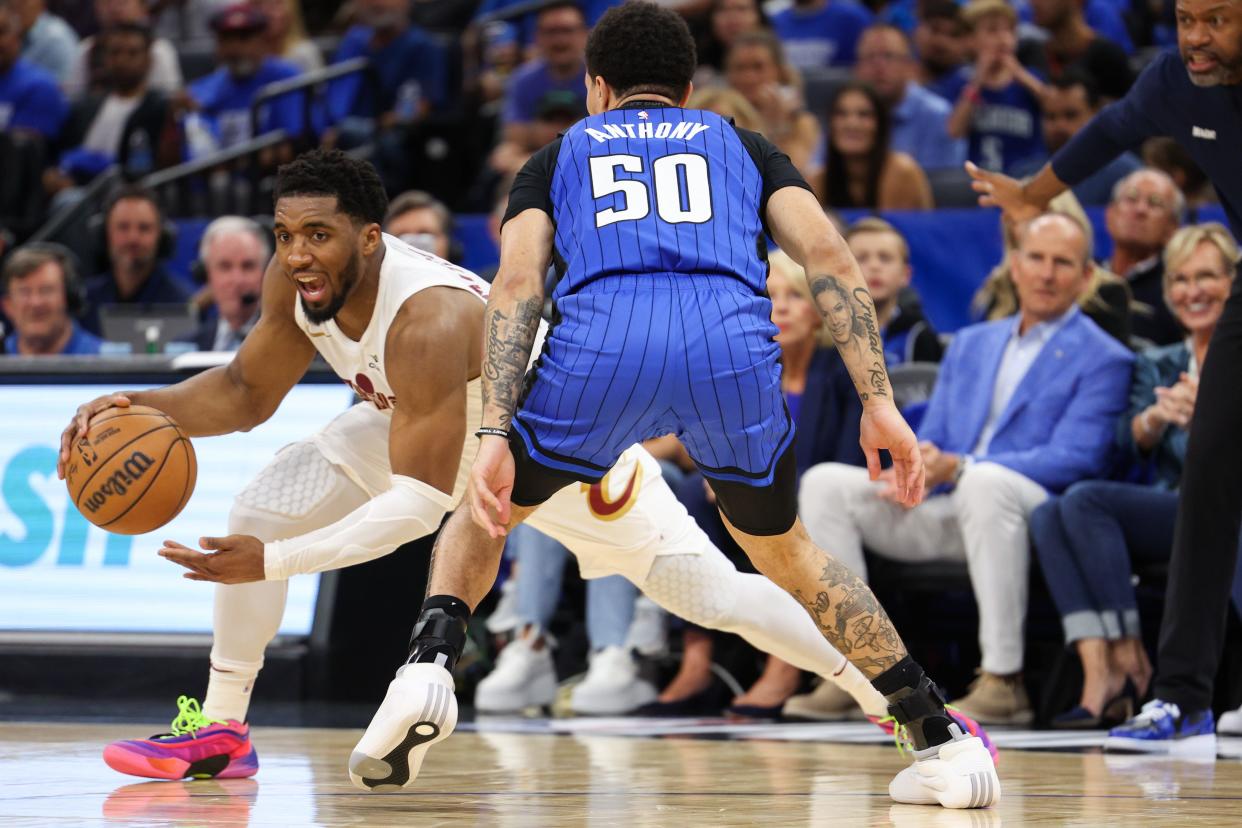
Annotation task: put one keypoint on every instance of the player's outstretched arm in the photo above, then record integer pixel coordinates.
(233, 397)
(803, 231)
(1020, 201)
(509, 330)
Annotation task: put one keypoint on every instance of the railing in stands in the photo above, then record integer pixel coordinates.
(315, 81)
(207, 186)
(65, 218)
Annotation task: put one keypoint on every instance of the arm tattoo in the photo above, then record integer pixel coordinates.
(851, 319)
(509, 340)
(850, 617)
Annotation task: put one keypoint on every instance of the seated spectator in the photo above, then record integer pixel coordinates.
(232, 255)
(1072, 44)
(1069, 102)
(29, 97)
(1166, 155)
(940, 39)
(755, 67)
(1106, 300)
(825, 410)
(729, 103)
(285, 35)
(133, 225)
(223, 98)
(560, 43)
(1090, 537)
(501, 56)
(1144, 214)
(819, 33)
(1111, 19)
(863, 169)
(1022, 407)
(421, 220)
(998, 110)
(127, 120)
(87, 74)
(47, 41)
(41, 297)
(920, 118)
(726, 21)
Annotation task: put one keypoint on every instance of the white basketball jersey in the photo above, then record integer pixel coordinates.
(404, 272)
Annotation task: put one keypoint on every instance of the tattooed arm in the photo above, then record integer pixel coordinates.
(513, 312)
(803, 231)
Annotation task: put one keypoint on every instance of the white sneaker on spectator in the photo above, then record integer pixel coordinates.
(504, 618)
(612, 686)
(648, 631)
(524, 677)
(1230, 723)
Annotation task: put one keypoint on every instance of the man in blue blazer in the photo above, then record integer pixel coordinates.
(1023, 407)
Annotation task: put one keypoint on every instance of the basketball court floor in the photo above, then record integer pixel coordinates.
(600, 772)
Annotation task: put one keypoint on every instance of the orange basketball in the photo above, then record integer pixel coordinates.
(133, 471)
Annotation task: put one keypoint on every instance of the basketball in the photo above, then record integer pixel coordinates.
(132, 472)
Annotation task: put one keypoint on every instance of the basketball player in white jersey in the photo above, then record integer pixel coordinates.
(404, 329)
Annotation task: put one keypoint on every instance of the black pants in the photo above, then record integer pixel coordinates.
(1205, 543)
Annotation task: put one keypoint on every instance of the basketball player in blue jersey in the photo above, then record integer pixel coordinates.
(655, 217)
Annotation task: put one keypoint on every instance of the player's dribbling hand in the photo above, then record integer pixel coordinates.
(81, 420)
(491, 483)
(883, 427)
(998, 190)
(236, 559)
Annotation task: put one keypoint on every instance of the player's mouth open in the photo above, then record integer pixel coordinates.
(313, 288)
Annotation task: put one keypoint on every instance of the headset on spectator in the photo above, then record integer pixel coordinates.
(37, 254)
(228, 224)
(97, 226)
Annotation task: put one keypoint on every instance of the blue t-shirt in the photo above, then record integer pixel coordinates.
(411, 67)
(528, 86)
(921, 130)
(1005, 128)
(950, 85)
(30, 99)
(81, 343)
(225, 102)
(1103, 16)
(823, 37)
(1206, 121)
(525, 24)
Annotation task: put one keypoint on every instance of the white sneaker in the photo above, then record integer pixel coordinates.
(418, 711)
(524, 677)
(504, 618)
(957, 774)
(612, 686)
(648, 634)
(1230, 723)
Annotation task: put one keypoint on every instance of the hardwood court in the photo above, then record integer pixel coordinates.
(52, 775)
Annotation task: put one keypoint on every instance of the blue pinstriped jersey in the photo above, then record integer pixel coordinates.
(656, 190)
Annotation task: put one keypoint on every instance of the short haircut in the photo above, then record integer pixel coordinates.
(764, 38)
(133, 192)
(127, 27)
(1083, 228)
(976, 10)
(1076, 77)
(234, 225)
(641, 47)
(1186, 240)
(943, 10)
(420, 200)
(557, 5)
(889, 27)
(26, 260)
(874, 224)
(1179, 198)
(354, 183)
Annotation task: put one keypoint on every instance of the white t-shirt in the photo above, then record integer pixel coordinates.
(104, 135)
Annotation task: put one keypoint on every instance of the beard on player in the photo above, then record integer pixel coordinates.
(338, 293)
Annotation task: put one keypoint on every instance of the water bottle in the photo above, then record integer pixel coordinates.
(406, 105)
(199, 141)
(151, 336)
(140, 161)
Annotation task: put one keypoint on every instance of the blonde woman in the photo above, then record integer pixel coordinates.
(1088, 538)
(728, 103)
(1106, 299)
(285, 35)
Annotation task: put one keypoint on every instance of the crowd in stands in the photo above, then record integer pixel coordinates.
(1057, 423)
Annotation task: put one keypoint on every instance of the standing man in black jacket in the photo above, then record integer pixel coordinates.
(1194, 97)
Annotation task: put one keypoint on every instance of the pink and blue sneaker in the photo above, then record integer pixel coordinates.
(196, 748)
(889, 725)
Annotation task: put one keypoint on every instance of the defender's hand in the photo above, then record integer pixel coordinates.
(998, 190)
(80, 422)
(491, 483)
(883, 427)
(236, 559)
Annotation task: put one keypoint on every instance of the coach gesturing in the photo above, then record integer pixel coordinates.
(1194, 97)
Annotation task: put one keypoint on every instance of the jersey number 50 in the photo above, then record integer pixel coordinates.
(683, 191)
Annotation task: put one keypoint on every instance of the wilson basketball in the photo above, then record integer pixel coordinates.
(133, 471)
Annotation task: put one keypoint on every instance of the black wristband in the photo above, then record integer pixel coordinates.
(494, 432)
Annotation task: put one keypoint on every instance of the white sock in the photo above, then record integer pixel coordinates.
(228, 693)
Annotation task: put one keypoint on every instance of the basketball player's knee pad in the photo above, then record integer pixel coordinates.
(284, 499)
(699, 588)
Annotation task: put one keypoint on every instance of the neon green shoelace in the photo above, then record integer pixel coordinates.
(901, 734)
(190, 718)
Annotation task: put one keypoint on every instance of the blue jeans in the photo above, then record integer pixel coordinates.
(541, 566)
(1086, 541)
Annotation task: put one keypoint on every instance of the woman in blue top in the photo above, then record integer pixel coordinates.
(1087, 538)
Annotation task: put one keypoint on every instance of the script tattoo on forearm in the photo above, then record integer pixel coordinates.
(877, 373)
(848, 614)
(509, 340)
(851, 319)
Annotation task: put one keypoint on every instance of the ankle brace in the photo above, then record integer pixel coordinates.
(440, 632)
(921, 710)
